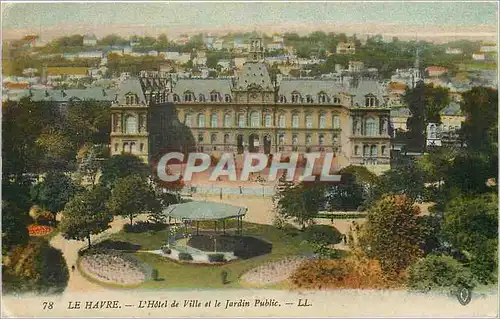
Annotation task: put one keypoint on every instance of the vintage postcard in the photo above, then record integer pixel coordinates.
(250, 159)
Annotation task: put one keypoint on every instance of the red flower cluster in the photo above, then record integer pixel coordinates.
(39, 230)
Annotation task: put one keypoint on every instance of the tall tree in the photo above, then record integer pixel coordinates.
(392, 234)
(131, 196)
(86, 214)
(471, 225)
(54, 191)
(119, 166)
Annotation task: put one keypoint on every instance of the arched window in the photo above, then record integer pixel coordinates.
(433, 131)
(254, 119)
(268, 120)
(201, 120)
(370, 101)
(176, 98)
(370, 127)
(116, 147)
(336, 100)
(282, 99)
(241, 120)
(213, 138)
(226, 138)
(188, 97)
(281, 139)
(132, 147)
(295, 120)
(384, 150)
(127, 99)
(125, 147)
(201, 98)
(281, 120)
(322, 120)
(130, 124)
(227, 120)
(227, 98)
(213, 120)
(309, 99)
(322, 98)
(373, 151)
(309, 121)
(214, 97)
(187, 120)
(295, 97)
(336, 122)
(321, 139)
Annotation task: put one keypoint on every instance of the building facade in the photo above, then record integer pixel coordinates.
(253, 112)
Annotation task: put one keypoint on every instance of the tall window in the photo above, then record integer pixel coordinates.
(322, 120)
(213, 138)
(227, 120)
(268, 120)
(176, 98)
(282, 99)
(201, 120)
(336, 100)
(226, 138)
(336, 122)
(356, 150)
(214, 97)
(384, 150)
(281, 121)
(187, 120)
(370, 127)
(370, 101)
(281, 139)
(308, 139)
(433, 131)
(213, 120)
(241, 120)
(131, 124)
(322, 98)
(366, 150)
(295, 97)
(254, 119)
(295, 139)
(309, 121)
(295, 121)
(373, 150)
(321, 139)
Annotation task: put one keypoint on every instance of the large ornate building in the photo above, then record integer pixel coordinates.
(253, 113)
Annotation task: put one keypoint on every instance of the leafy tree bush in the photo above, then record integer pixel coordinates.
(185, 256)
(119, 166)
(216, 258)
(322, 233)
(55, 191)
(471, 225)
(436, 271)
(392, 234)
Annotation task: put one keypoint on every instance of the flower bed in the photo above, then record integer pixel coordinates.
(114, 267)
(39, 230)
(273, 272)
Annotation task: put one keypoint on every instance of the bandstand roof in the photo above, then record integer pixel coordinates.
(203, 210)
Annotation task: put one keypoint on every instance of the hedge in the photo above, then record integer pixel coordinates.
(216, 258)
(185, 256)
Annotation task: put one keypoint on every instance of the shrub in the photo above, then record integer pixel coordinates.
(223, 277)
(322, 234)
(438, 272)
(154, 274)
(216, 258)
(141, 227)
(185, 256)
(166, 250)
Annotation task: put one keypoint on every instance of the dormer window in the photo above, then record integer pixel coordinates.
(370, 101)
(322, 98)
(131, 98)
(214, 97)
(295, 97)
(176, 98)
(201, 98)
(309, 99)
(336, 100)
(282, 99)
(188, 97)
(227, 98)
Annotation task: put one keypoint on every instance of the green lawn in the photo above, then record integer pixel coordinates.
(177, 275)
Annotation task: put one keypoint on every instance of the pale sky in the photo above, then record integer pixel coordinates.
(21, 15)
